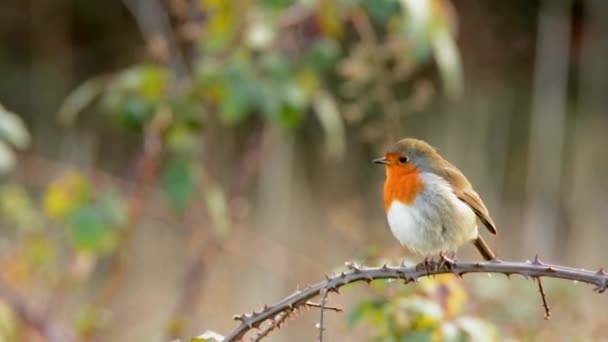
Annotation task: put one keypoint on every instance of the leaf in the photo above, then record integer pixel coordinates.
(89, 231)
(322, 55)
(65, 194)
(113, 208)
(240, 95)
(7, 158)
(179, 183)
(17, 208)
(328, 114)
(419, 336)
(365, 310)
(218, 209)
(10, 329)
(381, 11)
(80, 98)
(13, 130)
(183, 139)
(135, 112)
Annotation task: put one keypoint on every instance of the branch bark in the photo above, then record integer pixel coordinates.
(298, 299)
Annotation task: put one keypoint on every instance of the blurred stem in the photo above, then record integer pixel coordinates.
(146, 172)
(203, 245)
(547, 126)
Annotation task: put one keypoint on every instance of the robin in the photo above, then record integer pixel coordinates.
(430, 205)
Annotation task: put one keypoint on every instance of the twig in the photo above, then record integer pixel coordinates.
(541, 289)
(274, 324)
(543, 295)
(409, 274)
(325, 291)
(326, 307)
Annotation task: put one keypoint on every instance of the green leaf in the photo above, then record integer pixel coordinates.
(365, 310)
(277, 66)
(381, 11)
(147, 80)
(135, 112)
(179, 183)
(88, 230)
(113, 208)
(418, 336)
(241, 95)
(289, 116)
(276, 4)
(183, 139)
(322, 55)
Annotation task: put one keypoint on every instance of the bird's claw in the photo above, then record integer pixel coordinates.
(445, 261)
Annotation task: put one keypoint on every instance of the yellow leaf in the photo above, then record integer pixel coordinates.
(66, 194)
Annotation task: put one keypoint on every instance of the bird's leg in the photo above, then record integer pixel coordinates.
(445, 260)
(424, 265)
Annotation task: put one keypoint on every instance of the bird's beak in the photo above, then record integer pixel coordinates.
(380, 160)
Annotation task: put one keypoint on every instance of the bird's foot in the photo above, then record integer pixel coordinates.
(425, 265)
(445, 260)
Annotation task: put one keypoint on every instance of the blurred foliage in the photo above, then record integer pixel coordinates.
(432, 310)
(91, 221)
(268, 62)
(13, 135)
(272, 61)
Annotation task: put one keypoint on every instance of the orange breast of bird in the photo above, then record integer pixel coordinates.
(403, 182)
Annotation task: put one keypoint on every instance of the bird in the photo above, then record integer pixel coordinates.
(430, 205)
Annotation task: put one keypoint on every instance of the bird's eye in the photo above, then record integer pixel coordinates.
(403, 159)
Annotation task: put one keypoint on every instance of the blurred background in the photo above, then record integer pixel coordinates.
(169, 163)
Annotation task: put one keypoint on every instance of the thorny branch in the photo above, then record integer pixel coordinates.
(297, 300)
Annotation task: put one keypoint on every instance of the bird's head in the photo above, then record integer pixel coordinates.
(410, 155)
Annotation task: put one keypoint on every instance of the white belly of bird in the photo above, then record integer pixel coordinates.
(437, 221)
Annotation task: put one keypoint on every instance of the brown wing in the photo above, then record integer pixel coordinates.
(464, 191)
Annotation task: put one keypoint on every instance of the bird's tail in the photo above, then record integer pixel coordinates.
(483, 248)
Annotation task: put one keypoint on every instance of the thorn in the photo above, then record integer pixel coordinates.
(508, 275)
(402, 263)
(384, 267)
(537, 260)
(550, 269)
(601, 272)
(238, 317)
(342, 275)
(334, 289)
(326, 276)
(496, 261)
(369, 280)
(265, 308)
